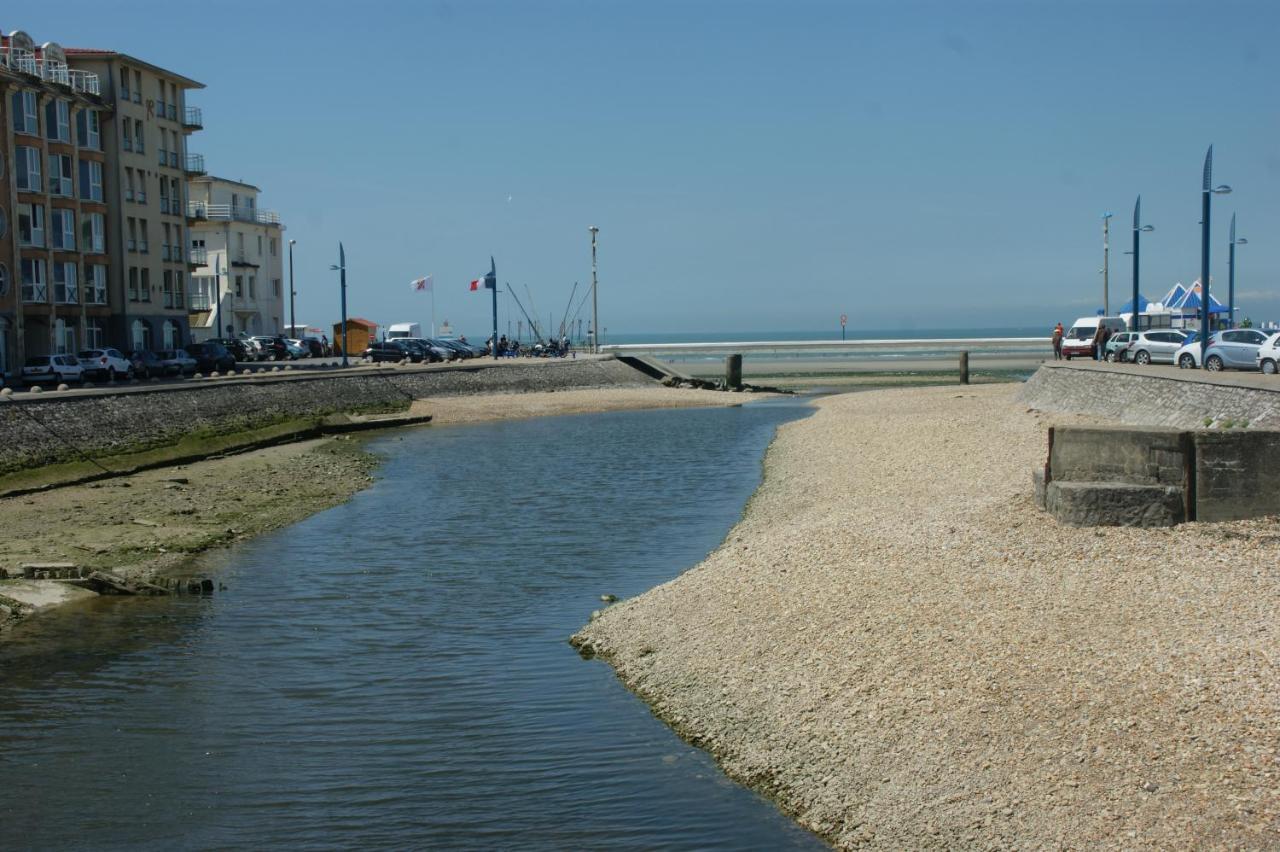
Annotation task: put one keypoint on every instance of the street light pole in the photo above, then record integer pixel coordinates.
(1138, 228)
(595, 304)
(342, 277)
(1206, 192)
(1106, 264)
(1231, 272)
(293, 317)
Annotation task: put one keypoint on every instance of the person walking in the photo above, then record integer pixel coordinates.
(1097, 341)
(1057, 342)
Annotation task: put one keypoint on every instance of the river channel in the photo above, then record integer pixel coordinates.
(394, 672)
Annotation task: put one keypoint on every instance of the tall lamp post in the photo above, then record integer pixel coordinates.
(218, 269)
(1138, 230)
(1207, 191)
(293, 317)
(342, 277)
(1106, 264)
(1231, 272)
(595, 304)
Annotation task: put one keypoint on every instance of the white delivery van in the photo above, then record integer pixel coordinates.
(404, 329)
(1079, 338)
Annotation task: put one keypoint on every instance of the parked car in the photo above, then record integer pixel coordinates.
(145, 364)
(1234, 349)
(105, 364)
(432, 352)
(1118, 346)
(1079, 339)
(1269, 355)
(273, 348)
(1155, 347)
(391, 350)
(236, 346)
(314, 346)
(52, 369)
(210, 356)
(461, 350)
(177, 362)
(297, 349)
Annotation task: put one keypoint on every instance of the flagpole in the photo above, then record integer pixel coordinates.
(493, 277)
(433, 310)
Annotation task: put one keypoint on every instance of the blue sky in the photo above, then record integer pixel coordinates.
(751, 165)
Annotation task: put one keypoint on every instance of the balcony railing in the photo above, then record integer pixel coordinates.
(164, 251)
(193, 117)
(201, 301)
(141, 196)
(173, 160)
(194, 164)
(127, 144)
(83, 81)
(164, 157)
(198, 256)
(164, 204)
(35, 292)
(240, 213)
(54, 72)
(18, 59)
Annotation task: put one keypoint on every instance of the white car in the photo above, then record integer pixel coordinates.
(105, 364)
(297, 349)
(1160, 346)
(1269, 355)
(52, 369)
(1234, 349)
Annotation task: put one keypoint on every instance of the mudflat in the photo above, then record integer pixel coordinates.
(898, 646)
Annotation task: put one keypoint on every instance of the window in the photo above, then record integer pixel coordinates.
(60, 175)
(143, 245)
(27, 167)
(25, 118)
(63, 229)
(126, 127)
(124, 83)
(179, 290)
(57, 120)
(259, 245)
(65, 291)
(90, 180)
(166, 288)
(170, 334)
(144, 285)
(137, 87)
(35, 287)
(274, 246)
(140, 334)
(240, 244)
(139, 141)
(141, 195)
(275, 287)
(133, 234)
(88, 130)
(239, 286)
(128, 184)
(164, 196)
(95, 284)
(133, 283)
(202, 287)
(31, 225)
(93, 334)
(175, 196)
(252, 290)
(64, 338)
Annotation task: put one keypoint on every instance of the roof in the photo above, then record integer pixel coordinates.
(95, 53)
(359, 321)
(216, 179)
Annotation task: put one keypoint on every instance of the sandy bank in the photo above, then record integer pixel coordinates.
(900, 648)
(499, 406)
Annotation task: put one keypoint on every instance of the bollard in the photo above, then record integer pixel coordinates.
(964, 368)
(733, 371)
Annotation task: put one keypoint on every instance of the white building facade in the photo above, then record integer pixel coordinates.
(238, 285)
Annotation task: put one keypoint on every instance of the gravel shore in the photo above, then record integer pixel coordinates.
(903, 651)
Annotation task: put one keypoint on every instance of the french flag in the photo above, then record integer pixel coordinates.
(486, 282)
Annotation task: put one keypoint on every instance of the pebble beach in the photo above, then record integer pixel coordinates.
(898, 647)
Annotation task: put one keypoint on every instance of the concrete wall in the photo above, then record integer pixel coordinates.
(112, 421)
(1235, 474)
(1180, 402)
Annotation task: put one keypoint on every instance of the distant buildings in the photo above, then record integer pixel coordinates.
(105, 216)
(239, 247)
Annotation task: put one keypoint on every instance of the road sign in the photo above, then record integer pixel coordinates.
(844, 319)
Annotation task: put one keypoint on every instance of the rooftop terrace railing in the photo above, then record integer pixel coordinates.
(239, 212)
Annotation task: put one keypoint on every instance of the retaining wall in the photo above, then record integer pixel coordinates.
(1181, 401)
(103, 421)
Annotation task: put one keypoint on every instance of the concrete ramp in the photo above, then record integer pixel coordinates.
(653, 368)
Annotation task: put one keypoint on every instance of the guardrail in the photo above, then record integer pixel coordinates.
(203, 210)
(947, 344)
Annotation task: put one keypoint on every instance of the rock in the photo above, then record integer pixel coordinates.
(1150, 787)
(35, 389)
(215, 374)
(145, 523)
(609, 598)
(64, 387)
(6, 391)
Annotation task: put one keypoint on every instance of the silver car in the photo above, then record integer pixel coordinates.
(1156, 347)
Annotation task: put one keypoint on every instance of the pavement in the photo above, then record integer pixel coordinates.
(1226, 378)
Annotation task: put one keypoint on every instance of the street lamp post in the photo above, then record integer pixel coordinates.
(293, 317)
(595, 305)
(1206, 192)
(1106, 263)
(217, 295)
(1138, 229)
(1231, 272)
(342, 277)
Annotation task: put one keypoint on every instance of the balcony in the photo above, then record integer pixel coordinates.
(36, 292)
(20, 60)
(54, 72)
(198, 256)
(83, 81)
(193, 118)
(194, 164)
(225, 212)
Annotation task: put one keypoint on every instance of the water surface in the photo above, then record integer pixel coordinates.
(394, 672)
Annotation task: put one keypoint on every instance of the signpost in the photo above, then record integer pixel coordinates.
(844, 320)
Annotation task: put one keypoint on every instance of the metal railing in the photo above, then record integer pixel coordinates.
(194, 164)
(20, 60)
(240, 213)
(198, 256)
(192, 117)
(54, 72)
(173, 160)
(164, 157)
(83, 81)
(35, 292)
(127, 144)
(955, 344)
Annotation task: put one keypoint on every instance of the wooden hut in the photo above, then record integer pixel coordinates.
(360, 333)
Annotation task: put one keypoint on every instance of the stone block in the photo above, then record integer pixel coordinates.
(1115, 504)
(1037, 481)
(1235, 474)
(1135, 455)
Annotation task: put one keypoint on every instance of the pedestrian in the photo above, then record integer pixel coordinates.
(1097, 341)
(1057, 342)
(1106, 340)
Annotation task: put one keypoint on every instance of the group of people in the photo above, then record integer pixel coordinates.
(1098, 348)
(510, 348)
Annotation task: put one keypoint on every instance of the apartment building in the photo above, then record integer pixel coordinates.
(145, 144)
(239, 285)
(55, 258)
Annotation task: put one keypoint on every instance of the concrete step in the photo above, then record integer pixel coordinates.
(1115, 504)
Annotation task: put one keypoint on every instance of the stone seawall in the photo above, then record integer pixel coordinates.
(1176, 398)
(36, 430)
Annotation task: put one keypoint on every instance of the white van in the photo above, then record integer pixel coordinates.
(404, 329)
(1079, 338)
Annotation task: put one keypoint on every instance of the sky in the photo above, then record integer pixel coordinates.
(751, 166)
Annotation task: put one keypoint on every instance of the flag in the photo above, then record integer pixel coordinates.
(487, 282)
(421, 284)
